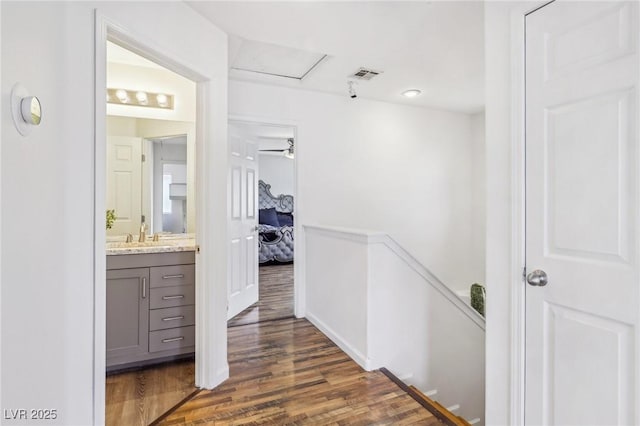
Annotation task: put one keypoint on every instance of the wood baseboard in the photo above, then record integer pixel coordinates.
(437, 409)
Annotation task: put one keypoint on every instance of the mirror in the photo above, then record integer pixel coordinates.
(150, 175)
(170, 185)
(151, 134)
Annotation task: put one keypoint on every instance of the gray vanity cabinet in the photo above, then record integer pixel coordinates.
(150, 308)
(128, 313)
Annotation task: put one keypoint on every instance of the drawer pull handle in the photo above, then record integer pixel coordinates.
(168, 277)
(173, 339)
(178, 296)
(173, 318)
(144, 287)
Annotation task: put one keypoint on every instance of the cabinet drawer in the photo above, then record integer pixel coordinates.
(180, 316)
(167, 297)
(167, 276)
(173, 338)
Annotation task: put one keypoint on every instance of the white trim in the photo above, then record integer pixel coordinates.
(209, 194)
(377, 237)
(99, 235)
(0, 221)
(355, 354)
(518, 248)
(299, 286)
(352, 234)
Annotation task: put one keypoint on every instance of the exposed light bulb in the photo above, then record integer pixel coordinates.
(411, 93)
(122, 95)
(162, 99)
(142, 98)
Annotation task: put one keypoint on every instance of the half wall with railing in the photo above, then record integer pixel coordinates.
(385, 309)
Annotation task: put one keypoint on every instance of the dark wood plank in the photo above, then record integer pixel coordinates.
(275, 299)
(138, 397)
(287, 372)
(438, 410)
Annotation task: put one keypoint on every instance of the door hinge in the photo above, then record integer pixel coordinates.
(144, 158)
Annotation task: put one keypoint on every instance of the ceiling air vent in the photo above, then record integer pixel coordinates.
(365, 74)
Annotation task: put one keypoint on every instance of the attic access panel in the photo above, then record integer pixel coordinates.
(274, 60)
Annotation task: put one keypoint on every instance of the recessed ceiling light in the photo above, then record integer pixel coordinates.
(411, 93)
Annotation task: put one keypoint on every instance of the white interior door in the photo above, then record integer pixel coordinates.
(582, 327)
(124, 183)
(243, 249)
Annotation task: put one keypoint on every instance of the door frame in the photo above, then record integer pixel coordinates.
(517, 262)
(211, 273)
(299, 294)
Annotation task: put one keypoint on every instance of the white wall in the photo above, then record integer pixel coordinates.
(47, 190)
(277, 171)
(376, 165)
(478, 196)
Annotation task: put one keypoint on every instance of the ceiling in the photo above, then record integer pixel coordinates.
(120, 55)
(437, 47)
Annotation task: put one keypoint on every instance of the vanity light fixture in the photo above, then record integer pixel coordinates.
(140, 98)
(162, 99)
(411, 93)
(122, 96)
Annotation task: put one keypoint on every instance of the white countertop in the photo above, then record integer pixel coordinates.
(168, 243)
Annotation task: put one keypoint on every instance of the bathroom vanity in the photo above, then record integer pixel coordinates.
(150, 302)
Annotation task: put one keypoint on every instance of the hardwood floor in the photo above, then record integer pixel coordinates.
(282, 371)
(287, 372)
(276, 296)
(136, 398)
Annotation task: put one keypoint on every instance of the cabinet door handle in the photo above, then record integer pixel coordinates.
(144, 287)
(167, 277)
(173, 318)
(173, 339)
(177, 296)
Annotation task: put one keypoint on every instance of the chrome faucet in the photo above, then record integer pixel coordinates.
(143, 233)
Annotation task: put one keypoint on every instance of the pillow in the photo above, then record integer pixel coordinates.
(268, 217)
(285, 219)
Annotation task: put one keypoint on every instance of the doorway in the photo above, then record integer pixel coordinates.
(262, 159)
(151, 262)
(136, 29)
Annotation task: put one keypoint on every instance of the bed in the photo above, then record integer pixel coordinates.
(275, 229)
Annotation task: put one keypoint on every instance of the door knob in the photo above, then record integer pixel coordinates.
(537, 278)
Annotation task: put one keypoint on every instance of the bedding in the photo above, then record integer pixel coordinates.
(268, 217)
(275, 228)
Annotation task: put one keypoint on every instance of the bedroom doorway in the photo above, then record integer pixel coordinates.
(262, 161)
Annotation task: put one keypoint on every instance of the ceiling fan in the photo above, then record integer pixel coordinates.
(287, 152)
